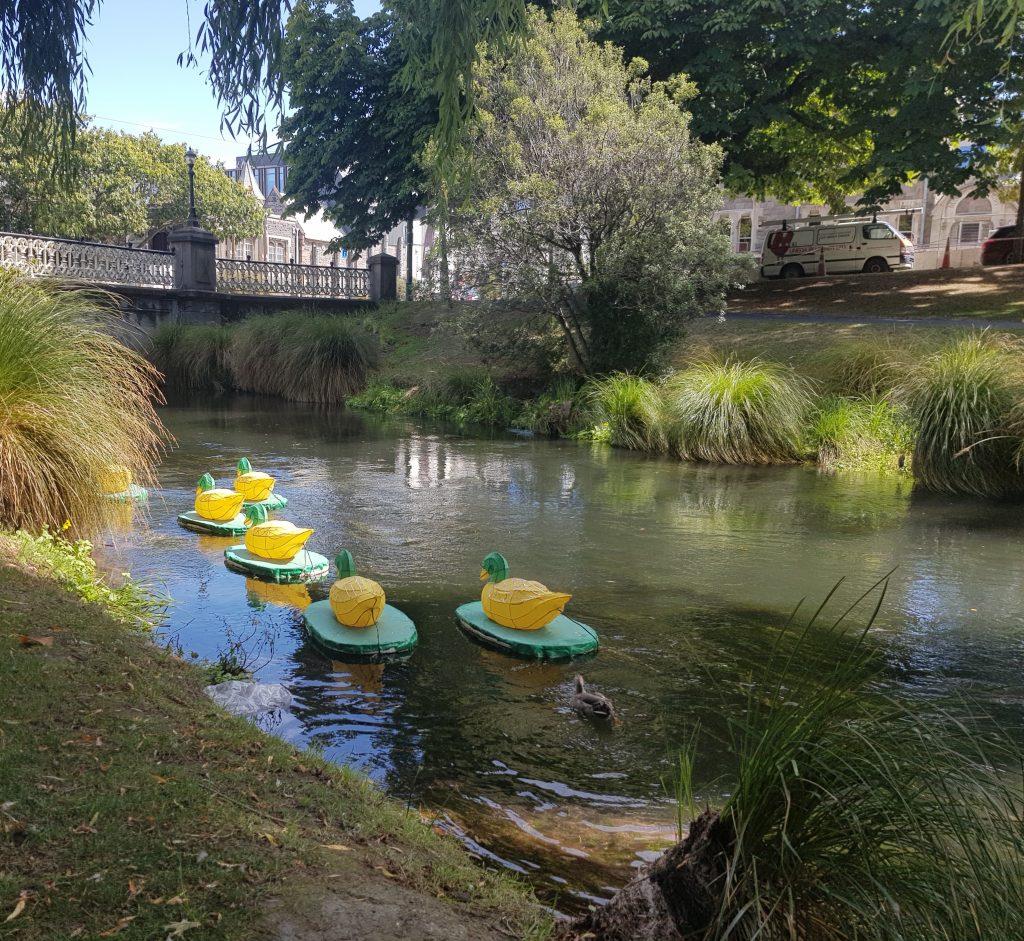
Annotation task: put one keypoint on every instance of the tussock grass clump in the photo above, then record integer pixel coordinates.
(633, 410)
(302, 356)
(72, 401)
(380, 397)
(861, 433)
(870, 368)
(558, 410)
(858, 816)
(962, 399)
(193, 356)
(738, 412)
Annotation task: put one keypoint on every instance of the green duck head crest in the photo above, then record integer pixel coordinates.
(345, 564)
(244, 467)
(256, 514)
(494, 568)
(206, 482)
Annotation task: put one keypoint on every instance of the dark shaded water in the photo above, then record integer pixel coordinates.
(686, 572)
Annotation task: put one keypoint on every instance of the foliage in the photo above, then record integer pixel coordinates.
(193, 356)
(561, 409)
(118, 187)
(72, 400)
(962, 400)
(379, 397)
(350, 111)
(633, 410)
(861, 433)
(856, 816)
(816, 100)
(587, 195)
(302, 356)
(738, 412)
(866, 367)
(71, 564)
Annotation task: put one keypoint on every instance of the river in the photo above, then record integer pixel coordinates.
(687, 572)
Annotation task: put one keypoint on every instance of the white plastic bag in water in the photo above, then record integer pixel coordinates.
(243, 698)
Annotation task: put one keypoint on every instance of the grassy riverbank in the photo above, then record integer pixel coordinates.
(131, 806)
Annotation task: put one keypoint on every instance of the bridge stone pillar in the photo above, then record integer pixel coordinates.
(195, 259)
(383, 277)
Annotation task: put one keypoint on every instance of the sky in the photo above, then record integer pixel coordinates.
(137, 85)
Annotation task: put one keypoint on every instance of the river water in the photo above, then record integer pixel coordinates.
(687, 572)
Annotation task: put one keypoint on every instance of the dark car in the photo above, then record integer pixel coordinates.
(998, 247)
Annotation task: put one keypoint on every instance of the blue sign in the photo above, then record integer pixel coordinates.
(344, 253)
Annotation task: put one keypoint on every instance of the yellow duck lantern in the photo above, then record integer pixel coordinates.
(216, 504)
(115, 478)
(253, 485)
(355, 601)
(275, 540)
(516, 602)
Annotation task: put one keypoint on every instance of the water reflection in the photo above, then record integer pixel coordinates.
(688, 573)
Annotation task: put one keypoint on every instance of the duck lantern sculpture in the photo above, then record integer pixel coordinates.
(523, 617)
(274, 550)
(216, 511)
(257, 487)
(356, 621)
(116, 484)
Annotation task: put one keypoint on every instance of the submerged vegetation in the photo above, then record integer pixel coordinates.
(73, 399)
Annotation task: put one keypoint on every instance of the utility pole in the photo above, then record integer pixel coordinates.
(408, 258)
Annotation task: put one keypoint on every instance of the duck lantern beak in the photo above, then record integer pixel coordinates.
(484, 575)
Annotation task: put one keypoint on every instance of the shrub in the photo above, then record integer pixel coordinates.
(732, 412)
(632, 408)
(859, 433)
(193, 356)
(559, 410)
(962, 399)
(380, 397)
(72, 400)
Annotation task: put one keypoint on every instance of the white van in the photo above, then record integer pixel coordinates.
(844, 247)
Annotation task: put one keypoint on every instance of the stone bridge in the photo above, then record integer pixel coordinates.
(189, 284)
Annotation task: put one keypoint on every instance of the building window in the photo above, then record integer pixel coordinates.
(243, 249)
(745, 231)
(278, 251)
(971, 233)
(905, 224)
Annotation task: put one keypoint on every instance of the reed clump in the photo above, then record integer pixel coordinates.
(193, 357)
(730, 411)
(859, 816)
(73, 400)
(633, 410)
(859, 433)
(962, 400)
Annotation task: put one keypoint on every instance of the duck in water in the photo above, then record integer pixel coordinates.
(591, 705)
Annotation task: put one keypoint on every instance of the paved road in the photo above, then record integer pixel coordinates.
(767, 316)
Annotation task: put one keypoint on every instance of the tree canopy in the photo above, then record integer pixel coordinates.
(588, 196)
(117, 186)
(355, 134)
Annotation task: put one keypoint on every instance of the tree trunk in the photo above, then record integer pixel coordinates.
(442, 244)
(676, 899)
(1017, 253)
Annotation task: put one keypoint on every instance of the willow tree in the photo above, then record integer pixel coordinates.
(587, 195)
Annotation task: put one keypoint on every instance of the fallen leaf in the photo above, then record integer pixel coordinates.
(19, 907)
(122, 923)
(178, 928)
(224, 865)
(271, 839)
(27, 640)
(340, 847)
(135, 886)
(390, 875)
(176, 900)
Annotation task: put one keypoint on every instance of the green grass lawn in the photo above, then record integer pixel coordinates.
(131, 806)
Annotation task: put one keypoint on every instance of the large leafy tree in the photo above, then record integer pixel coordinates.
(588, 196)
(820, 98)
(355, 135)
(117, 186)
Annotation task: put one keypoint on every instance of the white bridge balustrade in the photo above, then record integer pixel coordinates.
(86, 261)
(274, 278)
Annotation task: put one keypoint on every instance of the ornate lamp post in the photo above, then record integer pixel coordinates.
(190, 160)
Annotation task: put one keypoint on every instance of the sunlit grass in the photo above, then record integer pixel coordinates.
(73, 400)
(859, 433)
(737, 412)
(633, 410)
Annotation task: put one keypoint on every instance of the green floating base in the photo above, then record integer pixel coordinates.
(274, 502)
(198, 524)
(305, 567)
(134, 494)
(393, 634)
(561, 639)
